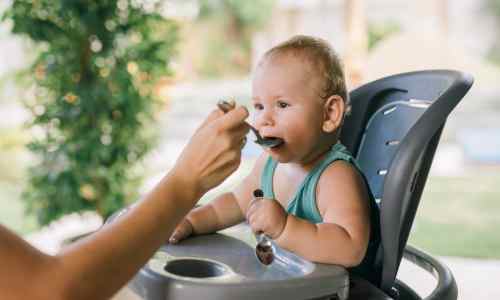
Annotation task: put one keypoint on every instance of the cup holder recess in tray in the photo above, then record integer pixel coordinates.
(197, 268)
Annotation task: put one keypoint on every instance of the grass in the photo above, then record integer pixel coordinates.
(459, 216)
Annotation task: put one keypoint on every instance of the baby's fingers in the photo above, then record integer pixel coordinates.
(176, 236)
(183, 230)
(252, 209)
(255, 221)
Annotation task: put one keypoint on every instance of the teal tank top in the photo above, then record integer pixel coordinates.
(303, 205)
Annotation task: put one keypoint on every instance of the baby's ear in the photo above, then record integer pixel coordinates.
(333, 113)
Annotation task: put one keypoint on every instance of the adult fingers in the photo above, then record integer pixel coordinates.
(238, 138)
(233, 118)
(214, 115)
(241, 130)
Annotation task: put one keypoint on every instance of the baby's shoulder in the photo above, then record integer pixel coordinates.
(339, 171)
(339, 178)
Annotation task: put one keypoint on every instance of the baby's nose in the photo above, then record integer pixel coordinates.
(263, 119)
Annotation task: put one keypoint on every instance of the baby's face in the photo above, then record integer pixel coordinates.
(287, 105)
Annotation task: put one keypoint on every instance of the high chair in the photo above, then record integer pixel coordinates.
(394, 129)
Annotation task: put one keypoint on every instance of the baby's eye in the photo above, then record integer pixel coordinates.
(258, 106)
(282, 104)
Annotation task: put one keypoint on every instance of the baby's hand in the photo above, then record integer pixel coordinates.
(267, 216)
(182, 231)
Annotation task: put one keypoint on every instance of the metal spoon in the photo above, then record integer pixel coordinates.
(226, 106)
(264, 249)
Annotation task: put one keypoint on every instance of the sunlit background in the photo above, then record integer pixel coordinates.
(216, 46)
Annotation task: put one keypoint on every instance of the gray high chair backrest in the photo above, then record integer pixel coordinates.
(394, 128)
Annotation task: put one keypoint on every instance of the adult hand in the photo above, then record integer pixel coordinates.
(267, 216)
(214, 151)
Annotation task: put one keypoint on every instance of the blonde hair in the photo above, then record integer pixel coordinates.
(323, 59)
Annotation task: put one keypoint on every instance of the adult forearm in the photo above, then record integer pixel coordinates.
(96, 267)
(324, 243)
(24, 269)
(101, 264)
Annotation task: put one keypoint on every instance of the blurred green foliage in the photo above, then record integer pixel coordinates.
(93, 99)
(228, 45)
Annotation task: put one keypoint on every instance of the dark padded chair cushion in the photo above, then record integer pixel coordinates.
(385, 129)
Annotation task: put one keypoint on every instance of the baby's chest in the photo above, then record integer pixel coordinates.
(285, 186)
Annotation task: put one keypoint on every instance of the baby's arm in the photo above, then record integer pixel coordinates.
(224, 211)
(342, 238)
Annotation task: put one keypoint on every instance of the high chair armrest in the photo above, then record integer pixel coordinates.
(446, 287)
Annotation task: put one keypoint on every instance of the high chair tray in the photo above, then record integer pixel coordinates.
(224, 266)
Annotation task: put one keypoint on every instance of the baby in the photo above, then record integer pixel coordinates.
(318, 204)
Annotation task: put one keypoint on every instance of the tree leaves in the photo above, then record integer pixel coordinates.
(91, 108)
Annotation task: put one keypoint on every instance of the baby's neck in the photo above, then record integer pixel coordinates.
(312, 159)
